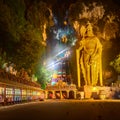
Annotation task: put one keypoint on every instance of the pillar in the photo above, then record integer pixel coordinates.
(53, 94)
(67, 94)
(60, 94)
(46, 94)
(74, 94)
(78, 67)
(4, 95)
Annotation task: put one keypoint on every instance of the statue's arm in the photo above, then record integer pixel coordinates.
(99, 46)
(81, 45)
(97, 51)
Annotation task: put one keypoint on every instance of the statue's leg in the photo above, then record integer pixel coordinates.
(88, 75)
(85, 78)
(96, 71)
(84, 70)
(85, 74)
(93, 75)
(87, 69)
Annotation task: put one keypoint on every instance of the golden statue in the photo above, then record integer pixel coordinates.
(89, 57)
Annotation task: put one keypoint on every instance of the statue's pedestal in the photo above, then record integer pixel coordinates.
(88, 91)
(91, 92)
(96, 92)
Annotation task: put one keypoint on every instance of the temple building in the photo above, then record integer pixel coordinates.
(61, 90)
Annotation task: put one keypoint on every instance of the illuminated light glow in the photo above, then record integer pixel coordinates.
(94, 89)
(55, 20)
(73, 44)
(52, 66)
(64, 39)
(58, 55)
(58, 61)
(58, 34)
(65, 22)
(54, 75)
(43, 43)
(62, 51)
(67, 53)
(63, 34)
(51, 14)
(44, 63)
(53, 83)
(44, 33)
(76, 26)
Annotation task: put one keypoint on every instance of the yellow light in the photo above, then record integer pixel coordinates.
(65, 22)
(94, 89)
(54, 75)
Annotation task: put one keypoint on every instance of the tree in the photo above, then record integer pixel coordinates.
(29, 49)
(44, 75)
(116, 64)
(21, 31)
(12, 23)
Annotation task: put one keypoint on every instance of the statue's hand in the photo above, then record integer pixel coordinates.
(92, 60)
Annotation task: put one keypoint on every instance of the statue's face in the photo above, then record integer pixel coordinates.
(89, 33)
(89, 30)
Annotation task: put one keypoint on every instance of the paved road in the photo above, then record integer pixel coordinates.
(63, 110)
